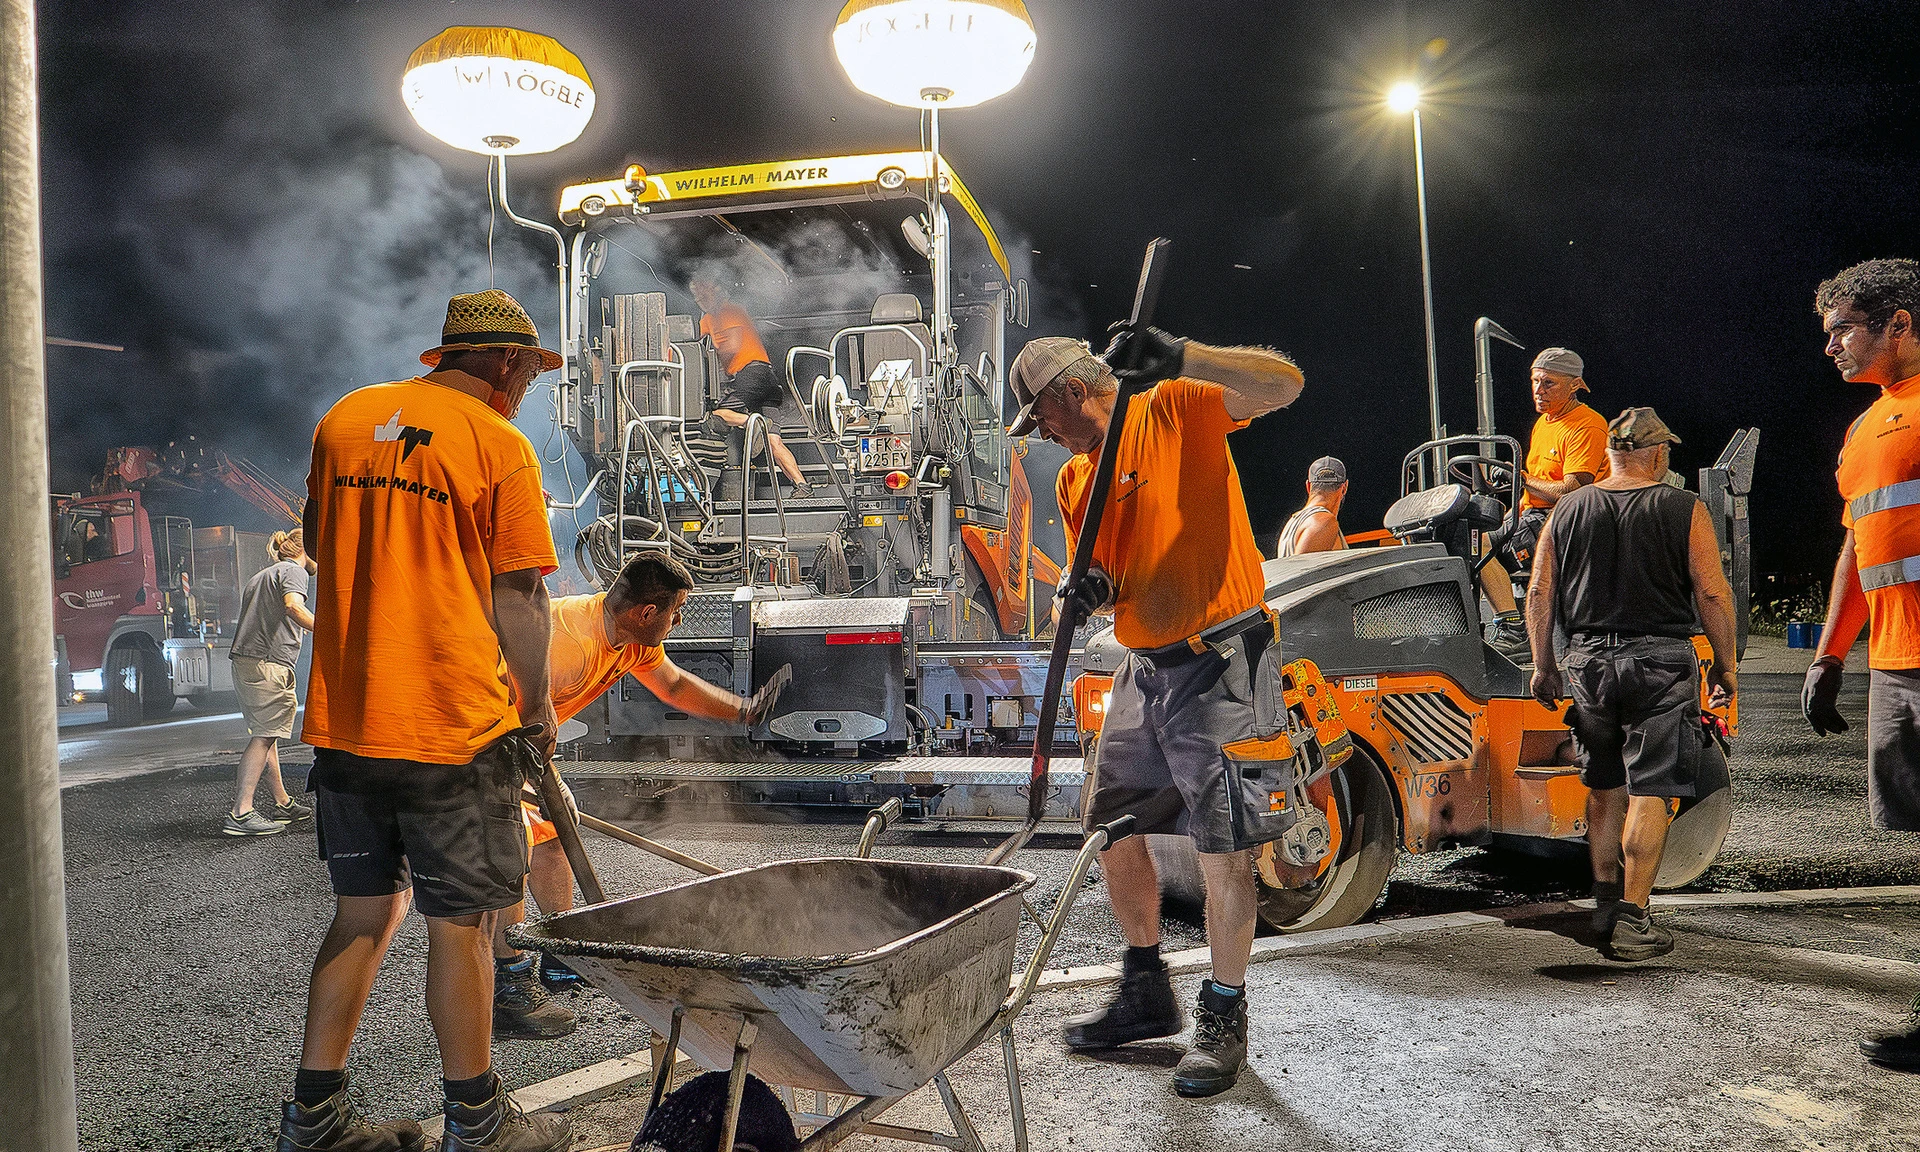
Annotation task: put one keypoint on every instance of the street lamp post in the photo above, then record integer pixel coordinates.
(1402, 98)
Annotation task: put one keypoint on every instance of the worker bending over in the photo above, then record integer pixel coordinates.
(1869, 312)
(1566, 450)
(1316, 527)
(1177, 566)
(1623, 566)
(751, 385)
(597, 640)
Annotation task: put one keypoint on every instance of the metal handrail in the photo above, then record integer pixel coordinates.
(926, 357)
(674, 363)
(806, 417)
(756, 423)
(658, 501)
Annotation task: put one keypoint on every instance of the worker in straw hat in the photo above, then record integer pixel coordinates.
(424, 512)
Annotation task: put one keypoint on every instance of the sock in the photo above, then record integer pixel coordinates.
(1142, 959)
(472, 1092)
(1514, 617)
(1227, 991)
(516, 965)
(1636, 911)
(312, 1086)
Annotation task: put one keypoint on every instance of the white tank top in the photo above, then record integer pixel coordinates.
(1293, 526)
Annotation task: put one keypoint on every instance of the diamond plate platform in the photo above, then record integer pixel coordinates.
(990, 771)
(1004, 771)
(842, 770)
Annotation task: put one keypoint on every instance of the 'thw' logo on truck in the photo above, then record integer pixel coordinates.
(91, 598)
(406, 433)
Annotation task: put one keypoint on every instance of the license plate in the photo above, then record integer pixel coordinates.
(885, 453)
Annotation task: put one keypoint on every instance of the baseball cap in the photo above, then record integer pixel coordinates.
(1564, 361)
(1038, 364)
(1327, 470)
(1638, 428)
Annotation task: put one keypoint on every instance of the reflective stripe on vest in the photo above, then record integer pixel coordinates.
(1903, 571)
(1902, 495)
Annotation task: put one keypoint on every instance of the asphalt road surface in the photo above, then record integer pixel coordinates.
(190, 950)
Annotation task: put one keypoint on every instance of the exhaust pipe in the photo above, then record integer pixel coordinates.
(1485, 331)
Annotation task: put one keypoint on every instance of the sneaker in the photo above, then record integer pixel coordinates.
(1635, 936)
(556, 975)
(335, 1125)
(292, 812)
(1219, 1048)
(252, 824)
(1897, 1049)
(802, 492)
(522, 1007)
(500, 1126)
(1143, 1009)
(1510, 639)
(1607, 902)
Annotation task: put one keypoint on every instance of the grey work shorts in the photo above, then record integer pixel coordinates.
(1636, 714)
(1893, 748)
(1160, 757)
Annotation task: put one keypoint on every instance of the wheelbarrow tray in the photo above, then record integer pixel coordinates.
(864, 977)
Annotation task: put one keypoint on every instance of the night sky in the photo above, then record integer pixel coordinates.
(235, 193)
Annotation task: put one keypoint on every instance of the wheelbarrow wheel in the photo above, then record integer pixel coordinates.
(688, 1120)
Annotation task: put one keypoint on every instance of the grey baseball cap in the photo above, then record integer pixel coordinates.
(1037, 366)
(1564, 361)
(1327, 470)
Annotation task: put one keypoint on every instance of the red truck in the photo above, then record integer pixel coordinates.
(145, 604)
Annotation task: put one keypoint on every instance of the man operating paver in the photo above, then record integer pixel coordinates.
(1623, 566)
(597, 641)
(751, 385)
(1566, 450)
(1868, 312)
(424, 512)
(1316, 527)
(1177, 565)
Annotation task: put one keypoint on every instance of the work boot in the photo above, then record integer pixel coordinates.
(1607, 897)
(556, 975)
(1510, 638)
(1143, 1009)
(1635, 936)
(522, 1007)
(500, 1126)
(1897, 1049)
(335, 1125)
(1219, 1047)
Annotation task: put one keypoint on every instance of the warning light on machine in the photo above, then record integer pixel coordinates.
(897, 480)
(636, 178)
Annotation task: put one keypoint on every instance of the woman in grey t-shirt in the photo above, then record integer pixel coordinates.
(266, 646)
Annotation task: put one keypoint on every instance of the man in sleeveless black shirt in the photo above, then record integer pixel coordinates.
(1623, 567)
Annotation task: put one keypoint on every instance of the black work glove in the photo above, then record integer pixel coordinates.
(756, 708)
(1144, 354)
(1820, 697)
(1090, 595)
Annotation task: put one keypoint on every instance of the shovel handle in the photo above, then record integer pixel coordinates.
(554, 796)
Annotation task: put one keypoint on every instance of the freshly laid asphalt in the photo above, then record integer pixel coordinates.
(190, 953)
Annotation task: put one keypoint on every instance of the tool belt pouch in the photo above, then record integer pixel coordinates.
(1298, 737)
(520, 761)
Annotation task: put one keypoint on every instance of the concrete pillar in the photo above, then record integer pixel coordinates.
(36, 1031)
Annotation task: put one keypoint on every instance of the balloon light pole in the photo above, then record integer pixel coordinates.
(1403, 98)
(934, 54)
(503, 92)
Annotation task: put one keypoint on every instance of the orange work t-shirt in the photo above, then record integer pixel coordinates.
(419, 495)
(1881, 455)
(731, 317)
(1175, 536)
(1574, 441)
(585, 661)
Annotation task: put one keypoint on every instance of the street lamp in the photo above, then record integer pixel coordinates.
(502, 92)
(1403, 98)
(929, 54)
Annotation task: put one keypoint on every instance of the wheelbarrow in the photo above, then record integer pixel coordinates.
(858, 980)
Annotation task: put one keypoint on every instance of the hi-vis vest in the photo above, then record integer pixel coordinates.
(1880, 481)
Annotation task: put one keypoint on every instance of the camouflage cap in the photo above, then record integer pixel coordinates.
(1638, 428)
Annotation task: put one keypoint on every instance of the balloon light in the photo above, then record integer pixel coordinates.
(498, 91)
(949, 53)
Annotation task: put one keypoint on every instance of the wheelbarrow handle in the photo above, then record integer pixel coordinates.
(1098, 841)
(877, 822)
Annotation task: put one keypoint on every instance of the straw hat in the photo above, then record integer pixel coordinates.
(490, 319)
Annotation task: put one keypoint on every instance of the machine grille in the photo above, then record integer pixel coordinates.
(1430, 610)
(708, 615)
(1434, 727)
